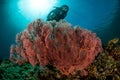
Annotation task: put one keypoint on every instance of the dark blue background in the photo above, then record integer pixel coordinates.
(100, 16)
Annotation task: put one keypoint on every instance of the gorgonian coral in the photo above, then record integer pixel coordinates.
(57, 44)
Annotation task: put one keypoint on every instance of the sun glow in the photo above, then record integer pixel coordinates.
(32, 9)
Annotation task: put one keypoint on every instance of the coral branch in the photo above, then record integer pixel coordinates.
(57, 44)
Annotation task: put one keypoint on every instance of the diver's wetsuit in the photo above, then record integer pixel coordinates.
(58, 13)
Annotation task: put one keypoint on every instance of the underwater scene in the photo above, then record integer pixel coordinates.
(59, 40)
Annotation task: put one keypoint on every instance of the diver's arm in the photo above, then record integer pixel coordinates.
(51, 16)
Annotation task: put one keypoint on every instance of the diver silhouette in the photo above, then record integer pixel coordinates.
(58, 13)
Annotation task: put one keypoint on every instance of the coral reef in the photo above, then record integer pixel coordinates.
(104, 67)
(111, 43)
(107, 64)
(57, 44)
(113, 47)
(12, 71)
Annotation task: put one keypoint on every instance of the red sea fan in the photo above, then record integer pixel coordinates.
(57, 44)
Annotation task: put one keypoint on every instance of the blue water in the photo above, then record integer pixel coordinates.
(101, 16)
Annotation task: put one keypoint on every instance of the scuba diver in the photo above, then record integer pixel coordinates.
(58, 13)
